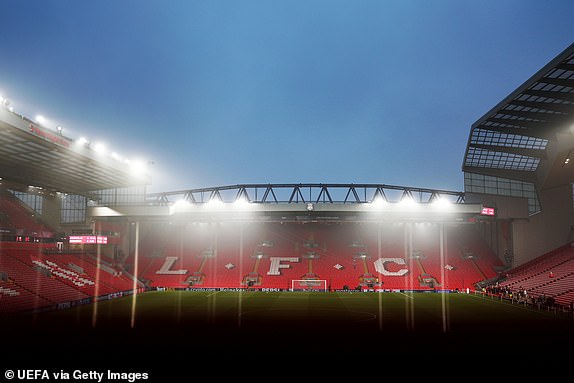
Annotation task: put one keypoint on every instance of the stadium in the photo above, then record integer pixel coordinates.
(93, 267)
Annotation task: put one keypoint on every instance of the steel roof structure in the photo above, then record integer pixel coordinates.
(333, 203)
(306, 193)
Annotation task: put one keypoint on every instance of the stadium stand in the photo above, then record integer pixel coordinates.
(23, 275)
(260, 255)
(549, 276)
(34, 276)
(346, 256)
(17, 216)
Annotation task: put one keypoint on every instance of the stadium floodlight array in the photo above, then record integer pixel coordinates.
(309, 202)
(5, 103)
(137, 167)
(405, 206)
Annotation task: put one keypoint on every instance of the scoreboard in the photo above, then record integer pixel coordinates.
(488, 211)
(88, 239)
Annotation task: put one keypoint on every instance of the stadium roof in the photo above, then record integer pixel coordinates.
(529, 136)
(302, 203)
(32, 155)
(306, 193)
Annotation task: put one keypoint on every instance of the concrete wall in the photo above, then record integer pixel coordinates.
(547, 230)
(528, 237)
(498, 232)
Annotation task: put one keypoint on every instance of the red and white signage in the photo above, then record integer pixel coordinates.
(56, 139)
(487, 211)
(88, 239)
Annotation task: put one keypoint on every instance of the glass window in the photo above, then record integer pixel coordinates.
(73, 208)
(33, 201)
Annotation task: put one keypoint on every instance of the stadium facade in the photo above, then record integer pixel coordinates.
(519, 159)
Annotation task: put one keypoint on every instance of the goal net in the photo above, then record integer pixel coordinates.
(309, 285)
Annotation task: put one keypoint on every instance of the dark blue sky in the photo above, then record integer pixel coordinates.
(227, 92)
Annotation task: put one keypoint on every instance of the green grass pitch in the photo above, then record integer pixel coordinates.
(378, 312)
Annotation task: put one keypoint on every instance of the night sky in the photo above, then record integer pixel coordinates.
(225, 92)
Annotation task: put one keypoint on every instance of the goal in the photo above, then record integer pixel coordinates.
(309, 285)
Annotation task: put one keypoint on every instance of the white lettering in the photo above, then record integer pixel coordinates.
(166, 267)
(33, 374)
(90, 375)
(276, 264)
(381, 269)
(129, 376)
(61, 375)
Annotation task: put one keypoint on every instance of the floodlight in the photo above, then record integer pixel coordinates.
(138, 167)
(83, 141)
(99, 148)
(214, 202)
(379, 202)
(407, 202)
(442, 204)
(40, 119)
(5, 103)
(241, 203)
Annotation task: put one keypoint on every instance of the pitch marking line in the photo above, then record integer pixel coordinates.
(406, 295)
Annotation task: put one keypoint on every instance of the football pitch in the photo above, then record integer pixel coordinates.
(398, 312)
(239, 325)
(371, 312)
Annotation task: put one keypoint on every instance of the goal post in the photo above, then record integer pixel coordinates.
(309, 285)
